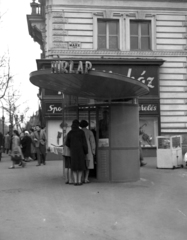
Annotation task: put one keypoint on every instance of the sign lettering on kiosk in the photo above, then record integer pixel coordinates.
(145, 107)
(69, 67)
(53, 108)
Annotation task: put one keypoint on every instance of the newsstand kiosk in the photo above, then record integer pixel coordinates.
(117, 150)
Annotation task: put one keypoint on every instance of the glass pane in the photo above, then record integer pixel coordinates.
(134, 42)
(163, 143)
(102, 42)
(113, 42)
(103, 127)
(145, 28)
(145, 43)
(133, 28)
(176, 142)
(101, 27)
(113, 28)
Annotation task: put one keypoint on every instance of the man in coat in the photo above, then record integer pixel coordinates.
(40, 140)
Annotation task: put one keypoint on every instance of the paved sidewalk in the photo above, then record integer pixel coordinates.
(35, 203)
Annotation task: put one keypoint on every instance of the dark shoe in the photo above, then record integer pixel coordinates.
(23, 164)
(79, 184)
(142, 164)
(75, 184)
(66, 182)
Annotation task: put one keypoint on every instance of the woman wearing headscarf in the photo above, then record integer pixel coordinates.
(26, 142)
(91, 149)
(76, 141)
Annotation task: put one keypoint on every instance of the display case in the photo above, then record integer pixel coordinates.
(169, 152)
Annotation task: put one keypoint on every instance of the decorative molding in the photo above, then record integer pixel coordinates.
(140, 15)
(117, 54)
(98, 14)
(118, 14)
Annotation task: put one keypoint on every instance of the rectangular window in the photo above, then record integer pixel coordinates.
(140, 35)
(108, 34)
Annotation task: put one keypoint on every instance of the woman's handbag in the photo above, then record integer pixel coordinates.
(16, 159)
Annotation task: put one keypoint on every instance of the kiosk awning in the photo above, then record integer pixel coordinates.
(94, 84)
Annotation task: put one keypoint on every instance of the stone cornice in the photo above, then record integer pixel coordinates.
(115, 53)
(36, 26)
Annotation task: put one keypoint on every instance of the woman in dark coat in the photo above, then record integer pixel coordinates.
(76, 141)
(26, 146)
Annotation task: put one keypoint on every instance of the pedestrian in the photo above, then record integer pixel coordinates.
(7, 142)
(26, 146)
(40, 140)
(16, 153)
(33, 148)
(76, 141)
(67, 161)
(91, 149)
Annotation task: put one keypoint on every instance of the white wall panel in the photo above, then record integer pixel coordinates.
(173, 95)
(173, 101)
(173, 113)
(171, 47)
(171, 29)
(174, 107)
(173, 89)
(170, 23)
(170, 35)
(172, 41)
(173, 70)
(172, 77)
(173, 83)
(171, 17)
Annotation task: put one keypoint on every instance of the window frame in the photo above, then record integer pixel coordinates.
(140, 36)
(108, 35)
(120, 18)
(152, 19)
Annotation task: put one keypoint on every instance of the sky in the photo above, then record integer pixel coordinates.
(23, 51)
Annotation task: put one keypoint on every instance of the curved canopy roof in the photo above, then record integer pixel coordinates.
(94, 84)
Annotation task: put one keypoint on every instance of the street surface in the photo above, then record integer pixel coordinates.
(36, 204)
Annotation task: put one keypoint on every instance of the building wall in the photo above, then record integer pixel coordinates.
(70, 32)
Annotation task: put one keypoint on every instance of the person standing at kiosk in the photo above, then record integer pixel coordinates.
(76, 141)
(91, 149)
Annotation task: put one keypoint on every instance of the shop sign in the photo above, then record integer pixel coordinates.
(53, 108)
(68, 67)
(60, 45)
(149, 108)
(145, 74)
(74, 45)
